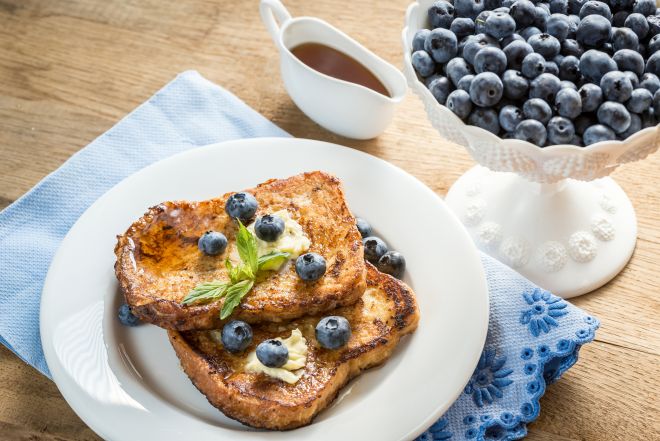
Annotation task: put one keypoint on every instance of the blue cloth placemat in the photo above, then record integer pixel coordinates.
(533, 336)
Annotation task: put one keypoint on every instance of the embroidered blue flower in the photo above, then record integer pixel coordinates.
(437, 432)
(489, 378)
(545, 309)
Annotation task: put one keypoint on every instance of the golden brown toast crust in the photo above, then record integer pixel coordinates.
(158, 262)
(378, 320)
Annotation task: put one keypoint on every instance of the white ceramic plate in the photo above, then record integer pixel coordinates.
(126, 384)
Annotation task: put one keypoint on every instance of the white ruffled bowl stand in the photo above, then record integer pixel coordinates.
(551, 213)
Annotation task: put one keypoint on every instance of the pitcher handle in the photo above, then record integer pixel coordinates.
(273, 14)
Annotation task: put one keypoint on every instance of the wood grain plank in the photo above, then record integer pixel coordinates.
(70, 69)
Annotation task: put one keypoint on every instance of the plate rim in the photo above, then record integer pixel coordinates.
(59, 373)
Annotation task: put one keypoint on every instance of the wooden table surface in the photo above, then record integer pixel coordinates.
(70, 69)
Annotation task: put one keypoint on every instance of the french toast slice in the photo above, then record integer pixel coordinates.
(158, 261)
(386, 311)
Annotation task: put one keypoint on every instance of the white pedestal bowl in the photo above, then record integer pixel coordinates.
(551, 213)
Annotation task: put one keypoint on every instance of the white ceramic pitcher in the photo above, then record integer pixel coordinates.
(342, 107)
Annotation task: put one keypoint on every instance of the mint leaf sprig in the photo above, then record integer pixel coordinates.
(241, 277)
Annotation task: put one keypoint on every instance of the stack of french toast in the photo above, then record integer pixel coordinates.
(266, 296)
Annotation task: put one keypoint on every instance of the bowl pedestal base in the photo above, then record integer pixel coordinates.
(570, 237)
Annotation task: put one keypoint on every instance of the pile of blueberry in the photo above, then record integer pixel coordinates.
(377, 253)
(545, 71)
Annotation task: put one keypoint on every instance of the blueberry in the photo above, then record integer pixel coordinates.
(650, 82)
(423, 63)
(619, 5)
(557, 26)
(508, 3)
(624, 38)
(441, 44)
(619, 18)
(428, 80)
(567, 85)
(593, 7)
(654, 25)
(569, 69)
(644, 7)
(558, 59)
(551, 68)
(559, 6)
(500, 25)
(537, 109)
(468, 8)
(510, 117)
(583, 122)
(614, 115)
(236, 336)
(462, 27)
(515, 53)
(510, 39)
(634, 79)
(573, 24)
(464, 83)
(592, 97)
(541, 14)
(571, 47)
(515, 85)
(212, 243)
(533, 65)
(654, 44)
(594, 31)
(568, 103)
(480, 22)
(642, 49)
(456, 69)
(126, 316)
(459, 102)
(241, 206)
(392, 263)
(475, 44)
(333, 332)
(486, 89)
(653, 64)
(656, 103)
(502, 9)
(272, 353)
(560, 130)
(441, 14)
(310, 266)
(490, 59)
(648, 119)
(492, 4)
(597, 133)
(532, 131)
(628, 59)
(269, 227)
(374, 248)
(616, 86)
(528, 32)
(594, 64)
(638, 24)
(574, 6)
(523, 12)
(440, 88)
(363, 227)
(485, 118)
(545, 86)
(635, 126)
(419, 39)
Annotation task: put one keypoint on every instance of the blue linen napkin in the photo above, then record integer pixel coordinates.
(533, 337)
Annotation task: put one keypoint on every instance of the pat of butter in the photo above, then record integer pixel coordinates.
(294, 367)
(292, 240)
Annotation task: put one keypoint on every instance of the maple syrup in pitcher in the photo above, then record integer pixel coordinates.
(338, 65)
